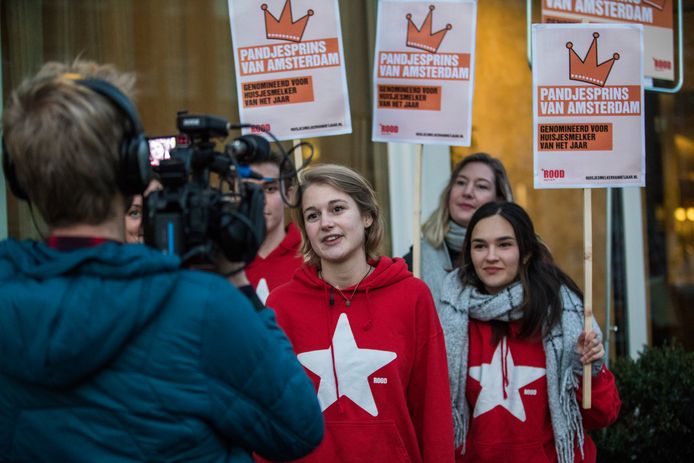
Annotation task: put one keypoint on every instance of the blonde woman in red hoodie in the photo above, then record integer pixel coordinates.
(365, 330)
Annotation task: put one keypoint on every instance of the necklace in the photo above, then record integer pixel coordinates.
(348, 300)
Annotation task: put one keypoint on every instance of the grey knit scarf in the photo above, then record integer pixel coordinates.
(455, 236)
(458, 304)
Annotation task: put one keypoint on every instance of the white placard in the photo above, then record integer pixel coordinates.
(423, 71)
(290, 71)
(588, 124)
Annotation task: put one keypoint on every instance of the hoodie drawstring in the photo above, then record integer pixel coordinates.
(370, 320)
(330, 295)
(504, 365)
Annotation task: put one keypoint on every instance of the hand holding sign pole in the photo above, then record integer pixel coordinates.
(589, 71)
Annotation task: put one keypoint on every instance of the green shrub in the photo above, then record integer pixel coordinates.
(656, 422)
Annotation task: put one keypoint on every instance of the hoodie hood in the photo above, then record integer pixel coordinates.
(387, 271)
(65, 314)
(291, 241)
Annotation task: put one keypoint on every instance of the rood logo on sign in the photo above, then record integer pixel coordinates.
(259, 128)
(389, 129)
(662, 64)
(552, 174)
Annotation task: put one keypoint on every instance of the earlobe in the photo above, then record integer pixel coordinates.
(368, 221)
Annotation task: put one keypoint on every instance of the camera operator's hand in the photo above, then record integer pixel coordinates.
(154, 185)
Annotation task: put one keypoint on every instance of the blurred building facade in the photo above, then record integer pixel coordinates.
(181, 52)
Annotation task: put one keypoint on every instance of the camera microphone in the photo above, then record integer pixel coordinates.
(246, 147)
(202, 126)
(247, 172)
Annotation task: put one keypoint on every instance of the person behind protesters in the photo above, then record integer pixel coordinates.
(364, 329)
(278, 256)
(133, 220)
(513, 323)
(476, 180)
(134, 231)
(112, 352)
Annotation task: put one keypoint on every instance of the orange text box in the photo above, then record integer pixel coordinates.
(658, 13)
(429, 66)
(409, 97)
(589, 100)
(266, 59)
(596, 136)
(277, 92)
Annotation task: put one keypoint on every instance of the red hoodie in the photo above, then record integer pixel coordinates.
(379, 365)
(509, 412)
(265, 274)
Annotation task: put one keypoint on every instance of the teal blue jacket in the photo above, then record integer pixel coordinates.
(114, 354)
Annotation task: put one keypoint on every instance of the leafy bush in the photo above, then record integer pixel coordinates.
(656, 422)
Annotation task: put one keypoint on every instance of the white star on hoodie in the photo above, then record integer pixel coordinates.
(353, 366)
(262, 290)
(491, 379)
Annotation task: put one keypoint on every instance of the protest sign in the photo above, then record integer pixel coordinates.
(423, 71)
(588, 126)
(290, 72)
(655, 15)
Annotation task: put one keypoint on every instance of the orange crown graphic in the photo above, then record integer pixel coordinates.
(588, 70)
(423, 38)
(285, 28)
(659, 4)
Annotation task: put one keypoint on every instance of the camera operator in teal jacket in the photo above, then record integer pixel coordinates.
(111, 352)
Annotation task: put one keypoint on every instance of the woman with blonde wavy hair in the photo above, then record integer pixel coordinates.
(476, 180)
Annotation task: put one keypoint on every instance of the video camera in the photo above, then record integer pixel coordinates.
(194, 220)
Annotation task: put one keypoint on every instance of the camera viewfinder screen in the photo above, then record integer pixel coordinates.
(159, 148)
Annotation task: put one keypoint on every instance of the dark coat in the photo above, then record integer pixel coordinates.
(113, 353)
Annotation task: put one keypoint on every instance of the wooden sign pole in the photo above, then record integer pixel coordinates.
(298, 156)
(588, 293)
(417, 213)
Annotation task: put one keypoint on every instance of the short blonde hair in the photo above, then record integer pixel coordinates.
(358, 188)
(436, 226)
(65, 140)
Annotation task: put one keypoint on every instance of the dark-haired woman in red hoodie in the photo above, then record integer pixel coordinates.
(365, 330)
(517, 347)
